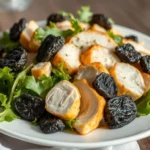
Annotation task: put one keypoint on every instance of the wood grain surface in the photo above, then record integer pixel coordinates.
(134, 14)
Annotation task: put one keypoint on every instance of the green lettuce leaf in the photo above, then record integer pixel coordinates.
(41, 34)
(84, 14)
(6, 80)
(7, 43)
(117, 38)
(69, 123)
(143, 105)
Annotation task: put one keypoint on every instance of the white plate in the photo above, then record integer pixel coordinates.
(138, 129)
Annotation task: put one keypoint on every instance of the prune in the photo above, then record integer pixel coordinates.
(101, 20)
(127, 53)
(145, 63)
(15, 59)
(56, 18)
(105, 85)
(132, 37)
(1, 51)
(51, 124)
(16, 29)
(120, 111)
(29, 107)
(49, 47)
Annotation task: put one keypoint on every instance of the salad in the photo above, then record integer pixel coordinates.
(82, 72)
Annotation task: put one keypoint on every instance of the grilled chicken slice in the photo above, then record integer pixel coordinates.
(115, 31)
(146, 77)
(69, 55)
(85, 39)
(64, 25)
(98, 53)
(63, 100)
(91, 109)
(27, 33)
(84, 26)
(41, 69)
(128, 79)
(138, 46)
(98, 28)
(90, 72)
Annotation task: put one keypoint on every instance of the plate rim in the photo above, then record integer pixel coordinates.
(45, 142)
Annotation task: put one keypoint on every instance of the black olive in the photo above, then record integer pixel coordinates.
(15, 59)
(145, 63)
(49, 47)
(1, 51)
(132, 37)
(16, 29)
(56, 18)
(51, 124)
(120, 111)
(105, 85)
(29, 107)
(101, 20)
(127, 53)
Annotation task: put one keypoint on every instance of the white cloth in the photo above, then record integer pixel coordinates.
(8, 143)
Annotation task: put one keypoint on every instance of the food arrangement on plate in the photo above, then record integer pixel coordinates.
(84, 72)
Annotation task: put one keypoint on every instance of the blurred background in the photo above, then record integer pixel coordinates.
(134, 14)
(130, 13)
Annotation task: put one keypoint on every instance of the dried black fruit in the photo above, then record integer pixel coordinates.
(105, 85)
(49, 47)
(29, 107)
(15, 59)
(16, 29)
(1, 51)
(56, 18)
(132, 37)
(51, 124)
(120, 111)
(101, 20)
(127, 53)
(145, 63)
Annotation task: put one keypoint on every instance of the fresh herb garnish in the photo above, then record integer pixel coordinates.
(6, 42)
(84, 14)
(117, 38)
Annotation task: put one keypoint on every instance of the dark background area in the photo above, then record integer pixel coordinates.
(134, 14)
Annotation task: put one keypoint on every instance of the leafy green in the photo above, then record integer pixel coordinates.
(117, 38)
(66, 14)
(7, 43)
(6, 80)
(84, 14)
(69, 123)
(35, 122)
(7, 113)
(40, 86)
(111, 20)
(44, 83)
(143, 105)
(41, 34)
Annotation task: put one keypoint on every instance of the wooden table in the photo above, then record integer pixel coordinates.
(130, 13)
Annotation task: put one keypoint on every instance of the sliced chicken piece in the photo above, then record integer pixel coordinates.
(146, 77)
(128, 79)
(90, 72)
(84, 26)
(91, 109)
(27, 33)
(64, 25)
(41, 69)
(85, 39)
(138, 46)
(34, 44)
(116, 31)
(98, 28)
(63, 100)
(98, 53)
(69, 55)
